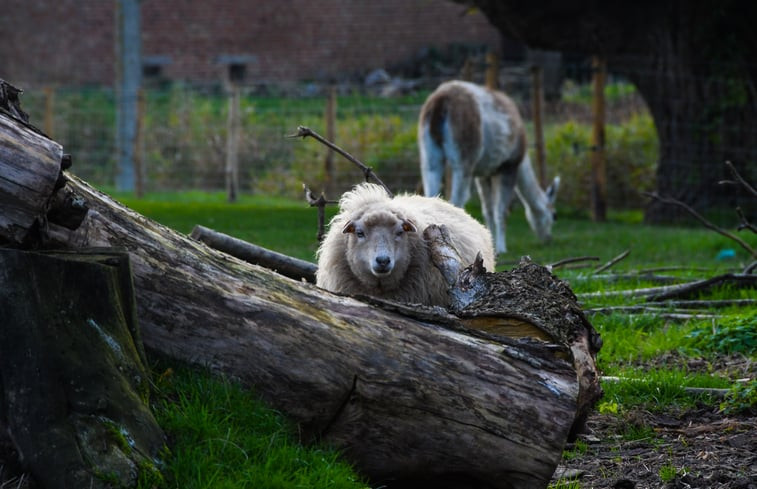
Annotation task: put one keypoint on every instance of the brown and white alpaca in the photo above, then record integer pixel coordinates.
(480, 134)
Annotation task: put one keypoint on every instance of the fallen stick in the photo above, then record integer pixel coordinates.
(657, 311)
(705, 222)
(654, 294)
(612, 262)
(575, 259)
(257, 255)
(690, 390)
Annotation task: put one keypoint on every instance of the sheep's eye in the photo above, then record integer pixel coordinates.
(399, 233)
(360, 233)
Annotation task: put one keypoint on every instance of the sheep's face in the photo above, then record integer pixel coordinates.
(378, 248)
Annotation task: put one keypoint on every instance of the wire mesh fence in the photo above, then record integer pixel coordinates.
(185, 131)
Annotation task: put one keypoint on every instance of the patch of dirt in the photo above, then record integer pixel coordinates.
(699, 448)
(733, 366)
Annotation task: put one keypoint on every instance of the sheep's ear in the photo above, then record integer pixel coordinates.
(408, 226)
(349, 227)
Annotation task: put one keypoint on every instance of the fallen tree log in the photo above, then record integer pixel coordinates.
(413, 395)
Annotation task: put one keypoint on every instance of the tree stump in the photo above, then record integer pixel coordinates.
(74, 383)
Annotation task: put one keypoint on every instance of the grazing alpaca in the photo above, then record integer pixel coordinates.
(479, 133)
(375, 246)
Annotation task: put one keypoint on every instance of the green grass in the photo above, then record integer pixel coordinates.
(290, 226)
(222, 437)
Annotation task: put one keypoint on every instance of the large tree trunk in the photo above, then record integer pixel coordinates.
(407, 396)
(692, 63)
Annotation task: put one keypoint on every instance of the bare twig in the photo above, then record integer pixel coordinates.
(321, 204)
(611, 262)
(575, 259)
(303, 132)
(688, 289)
(675, 291)
(744, 224)
(660, 312)
(700, 218)
(647, 271)
(705, 304)
(691, 390)
(739, 179)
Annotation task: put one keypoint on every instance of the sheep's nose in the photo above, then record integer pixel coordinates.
(382, 264)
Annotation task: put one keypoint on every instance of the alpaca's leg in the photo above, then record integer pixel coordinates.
(500, 194)
(432, 164)
(462, 178)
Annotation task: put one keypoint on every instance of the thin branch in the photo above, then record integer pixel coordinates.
(611, 262)
(575, 259)
(303, 132)
(653, 294)
(744, 224)
(690, 390)
(706, 304)
(739, 179)
(700, 218)
(660, 312)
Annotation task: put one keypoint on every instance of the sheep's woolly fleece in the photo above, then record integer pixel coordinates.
(344, 259)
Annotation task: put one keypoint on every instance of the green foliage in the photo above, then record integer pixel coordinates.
(565, 484)
(631, 151)
(582, 94)
(223, 436)
(728, 336)
(633, 338)
(669, 472)
(742, 398)
(578, 449)
(657, 389)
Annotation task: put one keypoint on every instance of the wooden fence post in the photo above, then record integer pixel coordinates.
(466, 73)
(537, 106)
(49, 125)
(330, 174)
(492, 71)
(232, 144)
(598, 166)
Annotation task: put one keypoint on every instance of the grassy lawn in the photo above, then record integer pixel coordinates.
(221, 436)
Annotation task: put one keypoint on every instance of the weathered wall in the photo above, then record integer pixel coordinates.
(73, 41)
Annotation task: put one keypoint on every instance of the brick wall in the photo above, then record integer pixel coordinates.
(72, 41)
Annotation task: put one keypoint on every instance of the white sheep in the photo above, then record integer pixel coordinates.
(375, 246)
(479, 133)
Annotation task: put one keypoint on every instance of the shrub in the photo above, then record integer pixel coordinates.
(631, 159)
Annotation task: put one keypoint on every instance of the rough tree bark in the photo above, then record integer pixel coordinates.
(692, 63)
(408, 395)
(73, 381)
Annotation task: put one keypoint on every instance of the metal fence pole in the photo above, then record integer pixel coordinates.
(129, 80)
